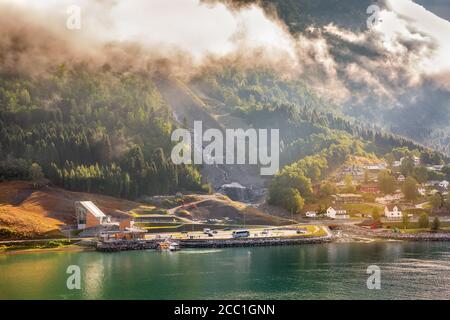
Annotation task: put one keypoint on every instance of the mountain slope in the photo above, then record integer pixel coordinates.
(382, 71)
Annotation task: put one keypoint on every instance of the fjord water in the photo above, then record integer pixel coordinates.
(326, 271)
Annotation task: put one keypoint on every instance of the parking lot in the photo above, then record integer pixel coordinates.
(264, 232)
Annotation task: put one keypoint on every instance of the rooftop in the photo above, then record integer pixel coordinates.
(89, 205)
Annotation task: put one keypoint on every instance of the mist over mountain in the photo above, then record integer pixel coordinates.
(395, 75)
(115, 88)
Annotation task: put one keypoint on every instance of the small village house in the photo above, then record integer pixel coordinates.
(422, 191)
(387, 199)
(444, 184)
(370, 188)
(432, 183)
(435, 168)
(401, 178)
(392, 212)
(415, 159)
(347, 198)
(376, 167)
(337, 213)
(396, 164)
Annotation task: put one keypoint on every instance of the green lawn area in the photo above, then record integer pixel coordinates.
(413, 225)
(313, 231)
(146, 210)
(163, 227)
(419, 230)
(412, 231)
(39, 245)
(353, 208)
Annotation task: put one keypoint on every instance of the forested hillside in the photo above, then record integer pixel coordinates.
(94, 131)
(302, 14)
(316, 141)
(94, 127)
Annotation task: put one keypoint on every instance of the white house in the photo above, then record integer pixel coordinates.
(422, 191)
(377, 166)
(392, 212)
(401, 178)
(435, 167)
(311, 214)
(336, 213)
(389, 198)
(444, 184)
(416, 160)
(432, 183)
(396, 164)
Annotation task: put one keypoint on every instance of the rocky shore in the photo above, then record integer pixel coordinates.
(424, 236)
(213, 243)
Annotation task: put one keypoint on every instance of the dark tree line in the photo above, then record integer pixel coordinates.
(91, 131)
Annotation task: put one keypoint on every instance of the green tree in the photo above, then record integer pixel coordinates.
(376, 214)
(424, 221)
(36, 173)
(446, 170)
(348, 180)
(366, 176)
(327, 189)
(407, 166)
(436, 201)
(436, 224)
(390, 159)
(405, 220)
(409, 188)
(292, 200)
(421, 174)
(386, 182)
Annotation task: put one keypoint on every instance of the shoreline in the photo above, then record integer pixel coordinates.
(70, 248)
(347, 234)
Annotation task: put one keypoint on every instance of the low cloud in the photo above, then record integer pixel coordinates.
(181, 37)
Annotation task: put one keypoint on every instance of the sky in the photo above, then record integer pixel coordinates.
(440, 8)
(200, 30)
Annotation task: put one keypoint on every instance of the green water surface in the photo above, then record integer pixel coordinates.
(325, 271)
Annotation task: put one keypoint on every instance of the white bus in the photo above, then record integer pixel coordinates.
(241, 234)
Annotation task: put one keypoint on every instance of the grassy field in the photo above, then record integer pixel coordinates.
(367, 208)
(412, 225)
(52, 244)
(314, 231)
(255, 232)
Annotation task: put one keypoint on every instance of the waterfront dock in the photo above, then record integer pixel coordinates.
(122, 245)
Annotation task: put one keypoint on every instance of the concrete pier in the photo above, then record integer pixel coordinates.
(112, 246)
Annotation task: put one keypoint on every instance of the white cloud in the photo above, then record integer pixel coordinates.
(197, 28)
(408, 21)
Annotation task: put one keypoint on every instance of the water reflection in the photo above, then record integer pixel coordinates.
(333, 271)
